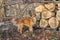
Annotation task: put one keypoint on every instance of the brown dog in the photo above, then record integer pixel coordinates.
(28, 21)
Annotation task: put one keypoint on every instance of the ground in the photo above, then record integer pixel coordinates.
(38, 34)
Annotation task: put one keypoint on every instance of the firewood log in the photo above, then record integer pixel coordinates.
(50, 6)
(53, 22)
(43, 23)
(40, 8)
(46, 14)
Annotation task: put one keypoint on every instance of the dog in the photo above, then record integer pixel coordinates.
(27, 21)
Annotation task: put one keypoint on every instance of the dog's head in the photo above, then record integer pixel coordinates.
(14, 20)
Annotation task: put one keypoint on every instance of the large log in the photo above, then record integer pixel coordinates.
(40, 8)
(50, 6)
(47, 14)
(43, 23)
(53, 22)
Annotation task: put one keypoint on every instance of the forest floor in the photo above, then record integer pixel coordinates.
(38, 34)
(12, 34)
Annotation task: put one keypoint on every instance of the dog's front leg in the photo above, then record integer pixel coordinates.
(18, 28)
(31, 29)
(21, 27)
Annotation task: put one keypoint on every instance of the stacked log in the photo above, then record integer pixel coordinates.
(46, 14)
(53, 22)
(43, 23)
(40, 8)
(50, 6)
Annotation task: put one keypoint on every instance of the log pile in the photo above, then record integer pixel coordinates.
(49, 14)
